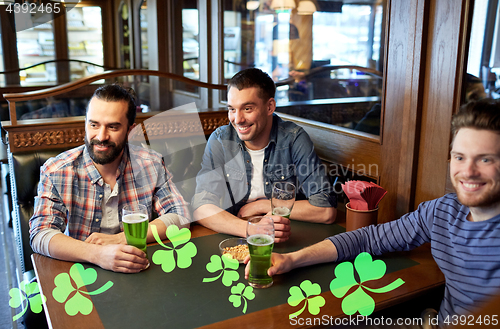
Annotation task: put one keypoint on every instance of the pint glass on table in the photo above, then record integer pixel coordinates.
(135, 225)
(260, 239)
(283, 198)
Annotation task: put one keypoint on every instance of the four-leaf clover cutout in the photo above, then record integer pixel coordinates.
(29, 292)
(241, 293)
(81, 277)
(367, 270)
(177, 237)
(228, 271)
(313, 303)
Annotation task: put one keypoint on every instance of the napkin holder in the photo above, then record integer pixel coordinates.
(359, 218)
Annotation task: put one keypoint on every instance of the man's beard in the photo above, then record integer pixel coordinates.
(103, 158)
(485, 199)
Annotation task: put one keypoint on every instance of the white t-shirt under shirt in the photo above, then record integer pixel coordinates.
(257, 183)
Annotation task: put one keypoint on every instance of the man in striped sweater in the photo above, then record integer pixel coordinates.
(463, 228)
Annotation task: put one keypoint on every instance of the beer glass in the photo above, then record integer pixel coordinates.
(283, 198)
(260, 239)
(135, 225)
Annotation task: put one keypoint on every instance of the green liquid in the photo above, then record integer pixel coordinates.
(260, 247)
(282, 211)
(136, 230)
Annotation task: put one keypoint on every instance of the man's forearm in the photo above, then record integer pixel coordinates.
(304, 211)
(115, 257)
(321, 252)
(67, 248)
(220, 220)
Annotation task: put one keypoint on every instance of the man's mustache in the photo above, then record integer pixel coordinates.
(104, 143)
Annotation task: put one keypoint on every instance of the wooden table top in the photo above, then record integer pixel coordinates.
(420, 277)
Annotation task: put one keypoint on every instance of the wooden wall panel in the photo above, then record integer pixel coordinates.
(401, 106)
(443, 76)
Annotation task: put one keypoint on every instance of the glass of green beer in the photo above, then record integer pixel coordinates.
(260, 239)
(283, 198)
(135, 225)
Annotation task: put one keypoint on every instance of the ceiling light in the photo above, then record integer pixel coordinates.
(282, 4)
(306, 7)
(252, 5)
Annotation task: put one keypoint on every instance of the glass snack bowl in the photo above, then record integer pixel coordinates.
(236, 248)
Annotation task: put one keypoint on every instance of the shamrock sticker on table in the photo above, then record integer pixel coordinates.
(367, 270)
(177, 237)
(228, 271)
(64, 288)
(29, 292)
(241, 293)
(313, 303)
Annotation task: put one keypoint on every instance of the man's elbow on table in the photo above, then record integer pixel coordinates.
(327, 215)
(206, 215)
(200, 214)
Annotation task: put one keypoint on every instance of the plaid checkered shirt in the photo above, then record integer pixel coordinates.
(71, 190)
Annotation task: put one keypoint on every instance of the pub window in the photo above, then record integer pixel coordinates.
(327, 62)
(85, 42)
(124, 36)
(36, 45)
(143, 13)
(482, 78)
(2, 68)
(186, 33)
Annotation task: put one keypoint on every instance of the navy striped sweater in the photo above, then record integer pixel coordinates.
(468, 253)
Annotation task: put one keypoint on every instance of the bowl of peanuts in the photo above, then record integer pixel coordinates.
(236, 248)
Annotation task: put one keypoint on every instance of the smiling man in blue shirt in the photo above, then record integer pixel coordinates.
(463, 228)
(243, 159)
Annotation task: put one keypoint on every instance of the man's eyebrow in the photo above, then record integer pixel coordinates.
(244, 104)
(477, 155)
(117, 123)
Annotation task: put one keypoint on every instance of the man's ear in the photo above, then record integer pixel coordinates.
(271, 103)
(131, 127)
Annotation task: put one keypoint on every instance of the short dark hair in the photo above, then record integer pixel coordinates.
(254, 77)
(117, 93)
(482, 114)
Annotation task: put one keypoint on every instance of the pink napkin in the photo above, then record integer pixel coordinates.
(363, 195)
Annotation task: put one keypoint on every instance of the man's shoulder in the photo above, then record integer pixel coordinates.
(144, 154)
(63, 160)
(224, 132)
(288, 127)
(448, 200)
(446, 206)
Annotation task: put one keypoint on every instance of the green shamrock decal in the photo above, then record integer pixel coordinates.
(166, 258)
(367, 270)
(81, 277)
(228, 271)
(29, 292)
(297, 296)
(240, 292)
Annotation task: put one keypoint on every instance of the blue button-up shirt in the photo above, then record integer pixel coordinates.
(226, 174)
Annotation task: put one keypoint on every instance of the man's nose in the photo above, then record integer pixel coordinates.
(102, 135)
(239, 117)
(470, 169)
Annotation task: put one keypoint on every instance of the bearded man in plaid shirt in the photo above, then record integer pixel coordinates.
(82, 191)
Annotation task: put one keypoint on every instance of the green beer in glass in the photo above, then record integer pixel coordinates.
(135, 226)
(260, 239)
